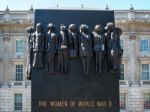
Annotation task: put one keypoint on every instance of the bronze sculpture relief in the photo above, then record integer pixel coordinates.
(63, 49)
(29, 52)
(120, 49)
(99, 42)
(51, 48)
(72, 43)
(73, 40)
(38, 46)
(113, 47)
(85, 47)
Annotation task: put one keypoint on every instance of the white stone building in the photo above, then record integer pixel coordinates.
(15, 90)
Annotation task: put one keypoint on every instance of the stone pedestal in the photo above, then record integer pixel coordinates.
(73, 91)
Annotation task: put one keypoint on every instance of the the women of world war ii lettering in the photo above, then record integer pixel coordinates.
(74, 61)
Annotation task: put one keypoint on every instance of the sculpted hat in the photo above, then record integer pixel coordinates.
(39, 26)
(72, 26)
(84, 27)
(50, 26)
(109, 25)
(30, 30)
(98, 26)
(62, 26)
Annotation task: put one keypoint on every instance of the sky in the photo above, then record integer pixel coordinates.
(101, 4)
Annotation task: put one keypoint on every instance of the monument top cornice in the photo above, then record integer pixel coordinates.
(10, 25)
(128, 22)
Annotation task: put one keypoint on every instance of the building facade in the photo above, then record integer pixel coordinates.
(134, 79)
(15, 90)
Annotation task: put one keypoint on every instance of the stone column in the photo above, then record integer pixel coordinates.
(6, 69)
(133, 57)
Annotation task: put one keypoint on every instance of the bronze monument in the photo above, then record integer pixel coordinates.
(98, 47)
(29, 52)
(51, 48)
(63, 49)
(113, 48)
(73, 40)
(74, 61)
(38, 46)
(85, 47)
(71, 43)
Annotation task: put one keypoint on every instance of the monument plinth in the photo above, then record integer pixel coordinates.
(74, 61)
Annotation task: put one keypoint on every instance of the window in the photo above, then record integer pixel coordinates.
(19, 46)
(146, 100)
(19, 72)
(18, 101)
(122, 101)
(145, 71)
(144, 45)
(122, 72)
(121, 43)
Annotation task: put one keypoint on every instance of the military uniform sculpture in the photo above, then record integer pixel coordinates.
(38, 46)
(73, 40)
(85, 47)
(73, 43)
(113, 47)
(30, 52)
(98, 47)
(51, 48)
(63, 49)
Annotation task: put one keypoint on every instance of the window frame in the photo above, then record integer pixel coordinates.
(146, 109)
(122, 43)
(142, 49)
(142, 77)
(125, 101)
(122, 72)
(23, 47)
(18, 105)
(20, 72)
